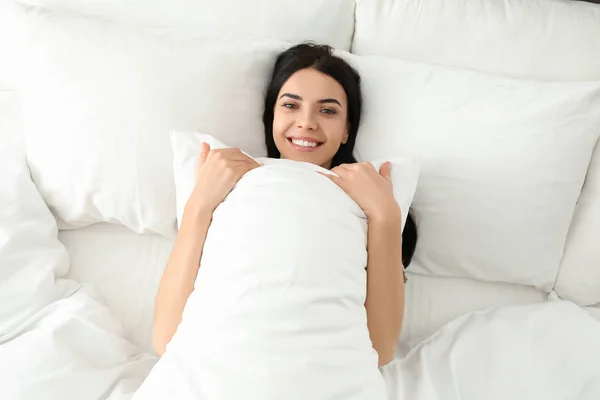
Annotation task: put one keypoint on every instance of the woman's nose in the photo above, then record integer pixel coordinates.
(307, 121)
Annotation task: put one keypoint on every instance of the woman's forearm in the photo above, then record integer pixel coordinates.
(177, 282)
(385, 284)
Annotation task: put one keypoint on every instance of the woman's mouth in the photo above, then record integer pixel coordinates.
(304, 144)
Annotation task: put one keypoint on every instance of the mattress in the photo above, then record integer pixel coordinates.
(126, 267)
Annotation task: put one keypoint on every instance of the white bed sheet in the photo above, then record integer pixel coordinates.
(126, 267)
(432, 302)
(594, 311)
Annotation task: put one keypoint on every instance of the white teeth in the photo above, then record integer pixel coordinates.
(304, 143)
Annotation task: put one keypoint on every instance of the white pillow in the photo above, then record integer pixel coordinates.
(187, 145)
(99, 100)
(579, 275)
(278, 306)
(542, 39)
(331, 21)
(503, 163)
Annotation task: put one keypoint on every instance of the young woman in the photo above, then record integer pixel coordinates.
(312, 113)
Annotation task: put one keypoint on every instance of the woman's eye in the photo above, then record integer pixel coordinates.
(289, 105)
(328, 111)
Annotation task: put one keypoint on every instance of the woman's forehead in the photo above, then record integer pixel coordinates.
(312, 85)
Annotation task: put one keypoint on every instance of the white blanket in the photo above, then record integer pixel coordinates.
(547, 351)
(73, 349)
(278, 306)
(58, 340)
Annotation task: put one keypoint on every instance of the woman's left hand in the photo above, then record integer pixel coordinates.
(370, 189)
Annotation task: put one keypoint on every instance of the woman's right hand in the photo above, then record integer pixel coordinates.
(218, 172)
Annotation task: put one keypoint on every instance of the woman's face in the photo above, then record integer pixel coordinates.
(310, 118)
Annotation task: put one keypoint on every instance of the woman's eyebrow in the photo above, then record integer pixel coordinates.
(323, 101)
(291, 96)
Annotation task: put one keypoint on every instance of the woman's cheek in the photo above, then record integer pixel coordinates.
(279, 127)
(335, 131)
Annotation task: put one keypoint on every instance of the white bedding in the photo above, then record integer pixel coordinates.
(594, 311)
(58, 340)
(432, 302)
(473, 342)
(74, 349)
(112, 366)
(125, 267)
(101, 252)
(277, 309)
(547, 351)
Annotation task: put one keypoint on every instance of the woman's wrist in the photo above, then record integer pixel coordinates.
(387, 213)
(197, 208)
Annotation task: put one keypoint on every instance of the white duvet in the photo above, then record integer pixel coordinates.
(278, 307)
(548, 351)
(58, 340)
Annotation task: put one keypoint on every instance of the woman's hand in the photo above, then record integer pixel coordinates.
(370, 189)
(218, 172)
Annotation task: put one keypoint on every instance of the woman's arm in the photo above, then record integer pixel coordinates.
(385, 284)
(177, 282)
(373, 192)
(218, 171)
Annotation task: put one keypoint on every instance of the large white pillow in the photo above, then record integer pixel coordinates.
(186, 150)
(579, 275)
(329, 21)
(278, 305)
(99, 100)
(543, 39)
(503, 163)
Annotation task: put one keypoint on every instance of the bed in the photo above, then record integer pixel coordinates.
(505, 121)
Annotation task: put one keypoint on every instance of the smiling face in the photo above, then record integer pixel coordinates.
(310, 118)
